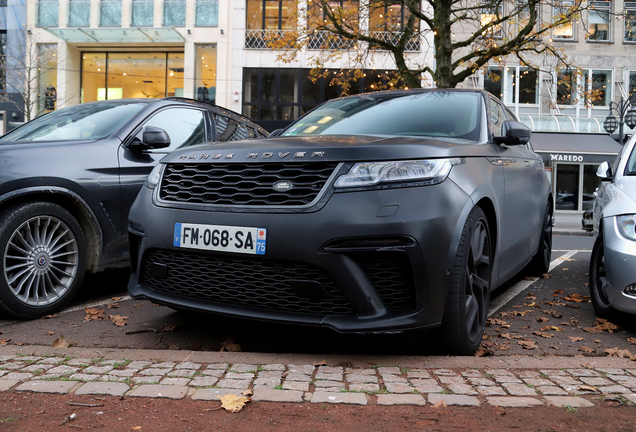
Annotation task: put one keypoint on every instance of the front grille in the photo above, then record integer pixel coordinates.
(244, 184)
(244, 281)
(391, 275)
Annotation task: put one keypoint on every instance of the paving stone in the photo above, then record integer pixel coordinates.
(164, 365)
(369, 379)
(389, 370)
(188, 365)
(5, 358)
(536, 382)
(29, 358)
(499, 372)
(60, 387)
(356, 371)
(490, 390)
(519, 389)
(329, 384)
(36, 368)
(44, 377)
(214, 372)
(147, 379)
(268, 383)
(122, 373)
(270, 374)
(551, 390)
(418, 373)
(564, 401)
(175, 381)
(462, 389)
(244, 368)
(529, 374)
(398, 388)
(611, 371)
(564, 380)
(583, 372)
(111, 378)
(51, 360)
(218, 366)
(203, 381)
(79, 362)
(138, 364)
(596, 381)
(616, 389)
(273, 367)
(364, 387)
(182, 373)
(84, 377)
(102, 388)
(451, 380)
(328, 376)
(154, 371)
(234, 384)
(7, 384)
(335, 398)
(621, 378)
(98, 369)
(501, 379)
(3, 372)
(331, 369)
(292, 396)
(18, 376)
(629, 397)
(458, 400)
(14, 365)
(481, 381)
(213, 394)
(63, 370)
(446, 372)
(400, 399)
(426, 386)
(296, 385)
(301, 369)
(160, 391)
(112, 362)
(513, 401)
(239, 376)
(472, 373)
(298, 377)
(553, 372)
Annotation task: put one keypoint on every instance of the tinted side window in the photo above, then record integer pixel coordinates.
(186, 127)
(231, 130)
(497, 117)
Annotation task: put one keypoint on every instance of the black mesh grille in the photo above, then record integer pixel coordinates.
(391, 275)
(248, 184)
(249, 282)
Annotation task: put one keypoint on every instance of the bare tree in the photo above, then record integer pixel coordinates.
(467, 35)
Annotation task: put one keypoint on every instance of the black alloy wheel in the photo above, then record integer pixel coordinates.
(469, 292)
(598, 281)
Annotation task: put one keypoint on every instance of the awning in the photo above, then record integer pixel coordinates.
(576, 143)
(117, 35)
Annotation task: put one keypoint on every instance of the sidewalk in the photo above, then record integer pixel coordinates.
(569, 224)
(308, 379)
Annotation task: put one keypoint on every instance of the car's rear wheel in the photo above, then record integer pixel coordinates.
(469, 292)
(598, 281)
(540, 263)
(43, 259)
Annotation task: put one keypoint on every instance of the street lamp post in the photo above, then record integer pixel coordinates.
(626, 115)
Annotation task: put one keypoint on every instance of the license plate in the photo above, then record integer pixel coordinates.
(220, 238)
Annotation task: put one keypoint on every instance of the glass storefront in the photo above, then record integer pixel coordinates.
(47, 78)
(131, 75)
(575, 186)
(205, 73)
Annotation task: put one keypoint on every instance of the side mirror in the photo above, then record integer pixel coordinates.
(151, 138)
(275, 133)
(604, 172)
(514, 133)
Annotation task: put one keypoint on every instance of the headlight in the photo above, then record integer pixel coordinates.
(627, 226)
(155, 176)
(431, 171)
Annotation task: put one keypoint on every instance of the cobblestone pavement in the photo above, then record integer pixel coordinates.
(309, 383)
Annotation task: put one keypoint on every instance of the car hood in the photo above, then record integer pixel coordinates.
(340, 148)
(619, 199)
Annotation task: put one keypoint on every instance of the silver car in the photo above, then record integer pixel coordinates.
(613, 263)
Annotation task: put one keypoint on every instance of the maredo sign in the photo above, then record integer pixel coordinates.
(566, 158)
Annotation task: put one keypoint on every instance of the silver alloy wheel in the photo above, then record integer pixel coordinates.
(41, 260)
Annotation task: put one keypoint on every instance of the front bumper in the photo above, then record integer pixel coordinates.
(620, 266)
(328, 248)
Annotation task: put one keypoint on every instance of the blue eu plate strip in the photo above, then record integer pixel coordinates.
(177, 235)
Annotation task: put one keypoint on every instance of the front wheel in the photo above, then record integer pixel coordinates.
(598, 281)
(540, 263)
(43, 259)
(469, 291)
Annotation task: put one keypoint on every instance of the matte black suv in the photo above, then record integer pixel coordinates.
(68, 179)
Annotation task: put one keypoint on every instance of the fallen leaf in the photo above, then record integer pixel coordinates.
(230, 346)
(504, 314)
(113, 305)
(517, 307)
(321, 363)
(525, 328)
(118, 320)
(558, 292)
(592, 330)
(55, 315)
(440, 404)
(629, 340)
(565, 268)
(542, 319)
(555, 328)
(496, 321)
(137, 305)
(248, 392)
(5, 341)
(522, 313)
(597, 340)
(589, 388)
(587, 366)
(577, 298)
(554, 347)
(545, 328)
(530, 278)
(233, 403)
(586, 349)
(61, 342)
(546, 275)
(548, 303)
(169, 327)
(603, 324)
(50, 333)
(505, 336)
(93, 314)
(173, 347)
(575, 338)
(527, 344)
(136, 427)
(19, 343)
(117, 298)
(543, 334)
(482, 352)
(615, 352)
(554, 313)
(572, 306)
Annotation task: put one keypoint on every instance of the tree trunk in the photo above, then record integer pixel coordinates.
(443, 43)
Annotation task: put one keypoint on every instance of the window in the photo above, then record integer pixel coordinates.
(324, 39)
(630, 22)
(386, 17)
(174, 12)
(271, 14)
(3, 61)
(47, 77)
(185, 127)
(492, 81)
(205, 73)
(142, 13)
(599, 86)
(48, 13)
(110, 13)
(632, 85)
(566, 87)
(497, 117)
(79, 13)
(491, 12)
(599, 21)
(207, 13)
(561, 10)
(520, 85)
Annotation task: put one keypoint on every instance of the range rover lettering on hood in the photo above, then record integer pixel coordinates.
(266, 155)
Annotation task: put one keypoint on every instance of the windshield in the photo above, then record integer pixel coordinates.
(432, 114)
(79, 122)
(630, 168)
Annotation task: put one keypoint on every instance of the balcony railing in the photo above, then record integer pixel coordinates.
(142, 13)
(393, 38)
(323, 39)
(48, 13)
(174, 13)
(110, 13)
(267, 39)
(207, 13)
(79, 13)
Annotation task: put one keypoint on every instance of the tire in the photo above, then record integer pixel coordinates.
(540, 263)
(43, 259)
(469, 291)
(598, 280)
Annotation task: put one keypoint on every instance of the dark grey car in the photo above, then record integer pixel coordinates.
(380, 212)
(68, 179)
